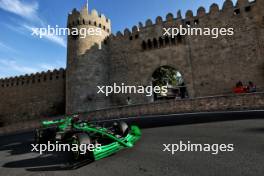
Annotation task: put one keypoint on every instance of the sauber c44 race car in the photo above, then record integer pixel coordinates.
(71, 130)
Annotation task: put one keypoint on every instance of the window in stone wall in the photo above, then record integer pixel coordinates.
(247, 9)
(161, 42)
(144, 45)
(196, 21)
(167, 40)
(155, 43)
(179, 38)
(149, 44)
(236, 11)
(173, 41)
(75, 37)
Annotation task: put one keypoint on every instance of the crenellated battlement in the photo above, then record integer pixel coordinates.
(93, 18)
(25, 80)
(239, 9)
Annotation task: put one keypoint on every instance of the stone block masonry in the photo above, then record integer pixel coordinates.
(253, 101)
(32, 96)
(209, 66)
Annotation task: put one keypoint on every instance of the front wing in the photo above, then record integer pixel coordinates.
(114, 147)
(120, 143)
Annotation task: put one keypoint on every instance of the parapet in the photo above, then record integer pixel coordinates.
(93, 18)
(190, 18)
(32, 79)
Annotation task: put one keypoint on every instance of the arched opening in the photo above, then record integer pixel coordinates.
(173, 79)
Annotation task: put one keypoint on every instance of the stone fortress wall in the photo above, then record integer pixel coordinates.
(209, 66)
(32, 96)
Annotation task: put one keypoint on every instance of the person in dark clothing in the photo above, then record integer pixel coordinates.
(183, 90)
(251, 87)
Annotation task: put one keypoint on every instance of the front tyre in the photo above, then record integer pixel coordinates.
(79, 141)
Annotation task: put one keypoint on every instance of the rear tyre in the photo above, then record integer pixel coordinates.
(43, 135)
(79, 140)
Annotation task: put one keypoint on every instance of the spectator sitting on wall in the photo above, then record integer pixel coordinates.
(239, 88)
(129, 102)
(177, 94)
(251, 87)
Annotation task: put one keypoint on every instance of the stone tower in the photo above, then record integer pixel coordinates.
(78, 45)
(86, 59)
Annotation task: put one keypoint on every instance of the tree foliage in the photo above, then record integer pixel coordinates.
(167, 75)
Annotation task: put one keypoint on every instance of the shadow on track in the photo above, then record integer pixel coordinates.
(16, 144)
(254, 130)
(20, 143)
(191, 118)
(52, 161)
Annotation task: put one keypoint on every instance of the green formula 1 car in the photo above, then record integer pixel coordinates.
(71, 130)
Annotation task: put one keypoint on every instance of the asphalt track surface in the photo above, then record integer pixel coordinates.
(243, 129)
